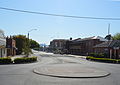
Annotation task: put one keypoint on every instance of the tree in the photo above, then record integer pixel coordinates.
(108, 37)
(20, 43)
(116, 36)
(26, 49)
(24, 44)
(34, 44)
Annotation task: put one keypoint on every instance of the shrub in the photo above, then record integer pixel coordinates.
(118, 61)
(107, 60)
(25, 60)
(98, 55)
(5, 60)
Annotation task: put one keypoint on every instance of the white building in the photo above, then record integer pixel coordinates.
(3, 50)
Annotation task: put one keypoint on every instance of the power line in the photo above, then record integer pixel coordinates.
(60, 15)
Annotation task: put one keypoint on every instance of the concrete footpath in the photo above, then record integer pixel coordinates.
(70, 71)
(77, 56)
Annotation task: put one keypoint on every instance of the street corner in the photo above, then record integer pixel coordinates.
(71, 71)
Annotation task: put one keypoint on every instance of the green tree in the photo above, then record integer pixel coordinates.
(24, 45)
(26, 49)
(20, 42)
(116, 36)
(34, 44)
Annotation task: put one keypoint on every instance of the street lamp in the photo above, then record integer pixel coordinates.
(30, 31)
(28, 36)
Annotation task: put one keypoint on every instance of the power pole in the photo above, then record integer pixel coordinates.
(108, 28)
(110, 51)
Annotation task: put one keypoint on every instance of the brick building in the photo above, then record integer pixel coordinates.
(11, 46)
(111, 48)
(83, 46)
(58, 44)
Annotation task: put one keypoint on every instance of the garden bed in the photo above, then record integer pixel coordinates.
(5, 60)
(8, 60)
(106, 60)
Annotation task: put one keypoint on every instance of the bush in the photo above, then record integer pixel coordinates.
(98, 55)
(25, 60)
(107, 60)
(5, 60)
(36, 49)
(118, 61)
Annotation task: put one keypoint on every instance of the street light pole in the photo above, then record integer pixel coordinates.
(28, 37)
(30, 31)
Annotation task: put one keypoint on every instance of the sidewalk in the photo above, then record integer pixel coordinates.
(19, 56)
(77, 56)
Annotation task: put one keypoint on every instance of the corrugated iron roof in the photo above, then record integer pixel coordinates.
(90, 38)
(113, 43)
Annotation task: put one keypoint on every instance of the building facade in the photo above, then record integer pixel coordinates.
(58, 44)
(3, 50)
(83, 46)
(110, 48)
(11, 46)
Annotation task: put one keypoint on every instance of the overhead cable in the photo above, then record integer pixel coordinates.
(60, 15)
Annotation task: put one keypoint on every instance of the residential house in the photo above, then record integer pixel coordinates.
(11, 46)
(3, 51)
(111, 48)
(83, 46)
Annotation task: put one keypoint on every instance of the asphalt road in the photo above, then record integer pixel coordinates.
(22, 74)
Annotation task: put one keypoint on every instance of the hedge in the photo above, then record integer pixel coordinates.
(98, 55)
(25, 60)
(107, 60)
(5, 60)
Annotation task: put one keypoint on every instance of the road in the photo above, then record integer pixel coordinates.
(22, 74)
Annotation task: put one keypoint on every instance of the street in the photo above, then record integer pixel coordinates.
(22, 74)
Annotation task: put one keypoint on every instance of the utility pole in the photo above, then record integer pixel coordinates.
(110, 51)
(108, 28)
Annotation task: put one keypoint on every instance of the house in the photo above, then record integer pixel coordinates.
(83, 46)
(3, 50)
(111, 48)
(58, 44)
(11, 46)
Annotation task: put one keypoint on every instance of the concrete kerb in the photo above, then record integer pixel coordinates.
(37, 72)
(71, 71)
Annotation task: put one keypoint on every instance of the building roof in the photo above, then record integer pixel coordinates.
(100, 38)
(60, 40)
(91, 38)
(113, 43)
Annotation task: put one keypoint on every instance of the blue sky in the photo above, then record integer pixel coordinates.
(50, 27)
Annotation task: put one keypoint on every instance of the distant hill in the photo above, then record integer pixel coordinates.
(42, 45)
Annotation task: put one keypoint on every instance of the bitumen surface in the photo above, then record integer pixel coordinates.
(22, 74)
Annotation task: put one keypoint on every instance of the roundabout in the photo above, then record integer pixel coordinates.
(70, 71)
